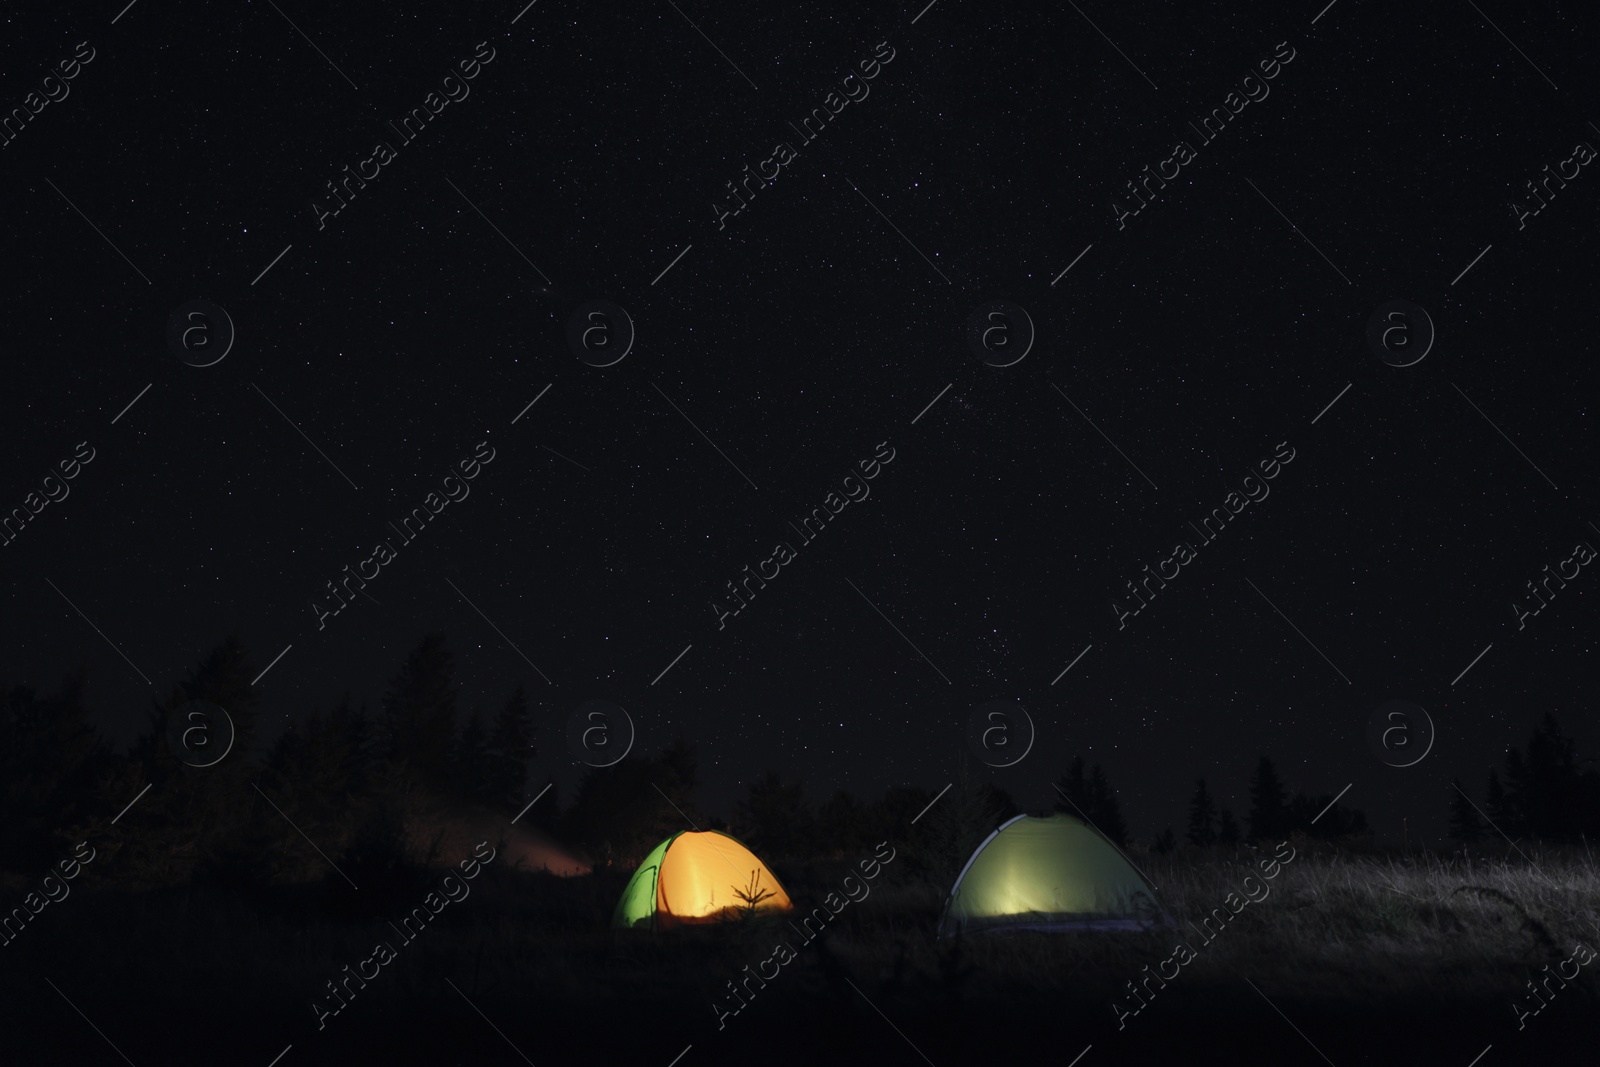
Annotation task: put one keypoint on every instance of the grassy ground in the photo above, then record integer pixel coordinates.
(1369, 958)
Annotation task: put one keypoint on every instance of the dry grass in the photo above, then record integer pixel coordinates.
(1359, 927)
(1337, 929)
(1341, 936)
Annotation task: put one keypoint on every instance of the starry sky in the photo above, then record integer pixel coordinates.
(378, 347)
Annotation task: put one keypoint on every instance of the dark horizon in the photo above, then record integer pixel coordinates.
(1426, 826)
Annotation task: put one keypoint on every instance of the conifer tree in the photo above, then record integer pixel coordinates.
(1107, 810)
(1227, 829)
(510, 750)
(420, 713)
(773, 816)
(1465, 826)
(1202, 816)
(1494, 799)
(1268, 815)
(1091, 797)
(473, 766)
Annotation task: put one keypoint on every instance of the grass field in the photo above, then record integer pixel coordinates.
(1351, 958)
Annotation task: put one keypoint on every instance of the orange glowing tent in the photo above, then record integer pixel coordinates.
(698, 877)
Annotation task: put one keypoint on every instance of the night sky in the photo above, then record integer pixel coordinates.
(584, 162)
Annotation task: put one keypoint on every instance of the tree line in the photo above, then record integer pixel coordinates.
(368, 786)
(356, 782)
(1541, 792)
(1274, 814)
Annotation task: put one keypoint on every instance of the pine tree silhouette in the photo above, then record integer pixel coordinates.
(1465, 826)
(472, 765)
(1227, 829)
(1494, 800)
(510, 750)
(49, 758)
(773, 816)
(1202, 816)
(1091, 797)
(1268, 816)
(420, 713)
(1544, 793)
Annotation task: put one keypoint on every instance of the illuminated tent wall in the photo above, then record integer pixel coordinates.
(694, 877)
(1048, 873)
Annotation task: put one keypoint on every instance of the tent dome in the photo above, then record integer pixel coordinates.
(696, 877)
(1048, 873)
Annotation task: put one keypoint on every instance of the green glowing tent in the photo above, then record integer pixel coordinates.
(697, 877)
(1048, 873)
